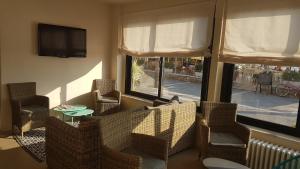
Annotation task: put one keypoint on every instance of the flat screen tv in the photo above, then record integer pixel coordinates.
(61, 41)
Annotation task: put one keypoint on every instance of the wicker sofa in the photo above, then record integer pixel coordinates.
(117, 132)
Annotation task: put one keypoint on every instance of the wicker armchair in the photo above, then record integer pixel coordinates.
(147, 152)
(121, 148)
(106, 98)
(29, 110)
(69, 147)
(221, 135)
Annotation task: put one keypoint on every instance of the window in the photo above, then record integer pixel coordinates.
(267, 96)
(164, 77)
(145, 75)
(182, 77)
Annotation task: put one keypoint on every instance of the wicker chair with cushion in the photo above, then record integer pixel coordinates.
(221, 135)
(145, 138)
(106, 98)
(29, 110)
(70, 147)
(124, 149)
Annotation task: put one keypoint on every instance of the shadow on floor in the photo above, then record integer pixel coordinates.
(185, 160)
(12, 156)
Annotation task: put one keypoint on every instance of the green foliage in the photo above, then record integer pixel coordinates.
(198, 68)
(137, 73)
(291, 76)
(169, 65)
(140, 61)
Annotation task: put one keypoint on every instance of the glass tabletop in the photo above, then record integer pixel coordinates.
(79, 113)
(70, 108)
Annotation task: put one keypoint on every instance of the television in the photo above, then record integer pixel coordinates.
(61, 41)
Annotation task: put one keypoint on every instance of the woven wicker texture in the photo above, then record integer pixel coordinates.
(21, 90)
(106, 136)
(115, 130)
(105, 87)
(175, 122)
(221, 117)
(173, 126)
(68, 147)
(29, 110)
(113, 159)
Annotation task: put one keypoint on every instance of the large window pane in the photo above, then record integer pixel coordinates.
(182, 76)
(145, 75)
(268, 93)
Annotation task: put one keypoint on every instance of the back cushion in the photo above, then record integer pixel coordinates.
(21, 90)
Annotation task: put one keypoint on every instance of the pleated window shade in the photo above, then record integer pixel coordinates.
(262, 31)
(182, 30)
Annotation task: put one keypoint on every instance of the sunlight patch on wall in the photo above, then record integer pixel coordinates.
(83, 85)
(54, 97)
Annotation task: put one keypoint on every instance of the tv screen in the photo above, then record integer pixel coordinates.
(61, 41)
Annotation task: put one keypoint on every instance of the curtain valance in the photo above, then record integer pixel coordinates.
(183, 30)
(262, 31)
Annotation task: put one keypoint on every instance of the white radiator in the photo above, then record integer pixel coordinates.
(264, 155)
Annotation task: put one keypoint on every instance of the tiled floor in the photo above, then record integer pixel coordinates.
(12, 156)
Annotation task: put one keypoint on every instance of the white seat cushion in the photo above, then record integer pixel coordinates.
(218, 163)
(149, 162)
(107, 99)
(225, 139)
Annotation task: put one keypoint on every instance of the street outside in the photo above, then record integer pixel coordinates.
(263, 106)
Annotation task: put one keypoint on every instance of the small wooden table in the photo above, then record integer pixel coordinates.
(218, 163)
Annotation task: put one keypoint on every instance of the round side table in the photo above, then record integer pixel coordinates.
(74, 111)
(218, 163)
(79, 113)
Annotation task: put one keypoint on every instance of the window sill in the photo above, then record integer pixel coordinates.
(275, 137)
(126, 96)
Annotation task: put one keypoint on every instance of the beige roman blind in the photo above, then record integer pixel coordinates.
(181, 30)
(262, 31)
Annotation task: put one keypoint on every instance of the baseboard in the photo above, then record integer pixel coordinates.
(5, 133)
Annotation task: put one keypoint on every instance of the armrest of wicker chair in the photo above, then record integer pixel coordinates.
(41, 100)
(243, 132)
(157, 147)
(117, 160)
(117, 94)
(204, 138)
(96, 94)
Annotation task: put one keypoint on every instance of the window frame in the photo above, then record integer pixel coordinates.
(204, 84)
(225, 96)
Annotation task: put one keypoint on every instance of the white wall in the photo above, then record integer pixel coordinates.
(60, 79)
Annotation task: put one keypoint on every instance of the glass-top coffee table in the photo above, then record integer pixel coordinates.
(73, 111)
